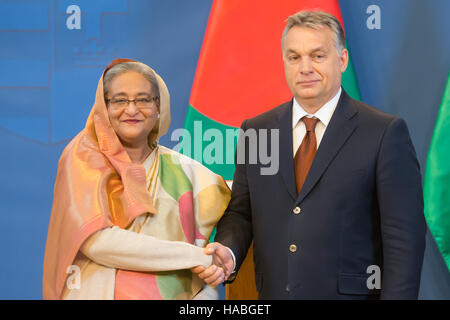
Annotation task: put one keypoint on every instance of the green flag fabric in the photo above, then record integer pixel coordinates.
(437, 180)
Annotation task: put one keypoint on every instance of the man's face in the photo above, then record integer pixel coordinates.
(312, 65)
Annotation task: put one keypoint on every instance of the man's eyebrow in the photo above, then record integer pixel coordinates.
(321, 48)
(288, 51)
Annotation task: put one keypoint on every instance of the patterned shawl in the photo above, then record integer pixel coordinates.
(97, 186)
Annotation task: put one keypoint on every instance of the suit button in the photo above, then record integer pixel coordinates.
(288, 288)
(296, 210)
(292, 248)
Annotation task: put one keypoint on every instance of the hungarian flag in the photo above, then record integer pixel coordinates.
(240, 74)
(437, 180)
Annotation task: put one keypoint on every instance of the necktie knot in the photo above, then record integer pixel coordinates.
(310, 123)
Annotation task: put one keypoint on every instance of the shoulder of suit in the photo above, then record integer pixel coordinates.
(367, 113)
(266, 118)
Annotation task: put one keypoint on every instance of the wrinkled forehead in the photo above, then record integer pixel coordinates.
(321, 34)
(130, 83)
(308, 40)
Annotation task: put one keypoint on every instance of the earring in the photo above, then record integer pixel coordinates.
(154, 144)
(158, 115)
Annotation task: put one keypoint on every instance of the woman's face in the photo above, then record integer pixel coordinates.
(132, 121)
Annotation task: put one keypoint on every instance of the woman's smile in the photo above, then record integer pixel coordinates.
(132, 121)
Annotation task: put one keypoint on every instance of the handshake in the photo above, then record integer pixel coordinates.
(221, 267)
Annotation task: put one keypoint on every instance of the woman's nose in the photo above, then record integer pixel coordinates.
(131, 108)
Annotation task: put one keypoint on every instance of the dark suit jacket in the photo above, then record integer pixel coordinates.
(361, 205)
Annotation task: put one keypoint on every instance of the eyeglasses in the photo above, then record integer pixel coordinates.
(141, 103)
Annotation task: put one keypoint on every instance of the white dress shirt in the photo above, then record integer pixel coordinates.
(324, 115)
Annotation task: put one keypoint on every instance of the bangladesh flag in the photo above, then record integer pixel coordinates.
(437, 180)
(239, 75)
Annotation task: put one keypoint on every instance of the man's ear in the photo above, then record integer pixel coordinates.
(344, 60)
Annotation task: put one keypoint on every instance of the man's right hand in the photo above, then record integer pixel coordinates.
(222, 260)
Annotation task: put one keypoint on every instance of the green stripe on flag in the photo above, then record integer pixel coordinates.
(437, 180)
(349, 81)
(211, 143)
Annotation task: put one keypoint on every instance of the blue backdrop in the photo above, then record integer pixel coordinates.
(50, 64)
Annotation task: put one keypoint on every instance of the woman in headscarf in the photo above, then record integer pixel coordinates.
(130, 217)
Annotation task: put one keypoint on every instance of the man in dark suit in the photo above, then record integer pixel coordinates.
(342, 218)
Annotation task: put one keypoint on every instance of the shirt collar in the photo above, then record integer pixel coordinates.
(323, 114)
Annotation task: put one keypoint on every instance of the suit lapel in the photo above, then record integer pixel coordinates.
(286, 151)
(339, 129)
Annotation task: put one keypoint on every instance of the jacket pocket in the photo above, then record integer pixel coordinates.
(355, 283)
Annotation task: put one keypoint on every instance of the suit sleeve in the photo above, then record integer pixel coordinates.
(400, 200)
(234, 229)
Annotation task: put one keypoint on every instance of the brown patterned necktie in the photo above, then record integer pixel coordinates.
(306, 152)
